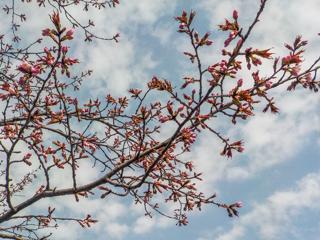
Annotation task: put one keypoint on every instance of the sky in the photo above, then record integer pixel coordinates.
(277, 177)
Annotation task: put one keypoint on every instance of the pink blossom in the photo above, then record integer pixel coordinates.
(188, 136)
(25, 67)
(89, 145)
(291, 59)
(295, 70)
(36, 136)
(35, 70)
(10, 131)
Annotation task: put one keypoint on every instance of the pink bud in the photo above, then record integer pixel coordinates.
(238, 204)
(27, 156)
(235, 15)
(22, 80)
(24, 67)
(268, 84)
(35, 70)
(116, 37)
(46, 32)
(70, 31)
(55, 18)
(209, 42)
(69, 34)
(240, 149)
(64, 49)
(181, 107)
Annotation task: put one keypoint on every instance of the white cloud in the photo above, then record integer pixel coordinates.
(116, 67)
(273, 218)
(143, 225)
(116, 230)
(112, 210)
(67, 230)
(271, 140)
(235, 233)
(207, 160)
(163, 32)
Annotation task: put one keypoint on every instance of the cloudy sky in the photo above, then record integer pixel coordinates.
(277, 177)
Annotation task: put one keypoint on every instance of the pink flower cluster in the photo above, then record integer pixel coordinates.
(27, 68)
(188, 137)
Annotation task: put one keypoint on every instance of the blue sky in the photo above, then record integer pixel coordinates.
(277, 177)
